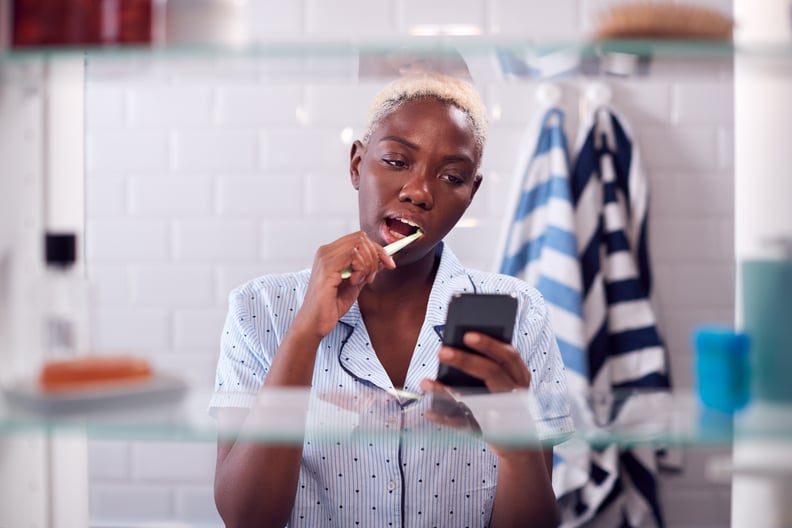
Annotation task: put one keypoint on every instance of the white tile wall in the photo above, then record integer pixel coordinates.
(366, 19)
(203, 173)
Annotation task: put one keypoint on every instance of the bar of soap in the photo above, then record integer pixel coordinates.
(93, 371)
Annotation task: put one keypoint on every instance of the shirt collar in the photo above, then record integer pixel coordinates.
(451, 278)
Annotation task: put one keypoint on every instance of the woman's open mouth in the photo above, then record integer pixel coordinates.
(399, 228)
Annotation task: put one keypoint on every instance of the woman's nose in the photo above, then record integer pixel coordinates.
(416, 190)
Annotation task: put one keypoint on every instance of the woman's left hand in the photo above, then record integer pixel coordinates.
(499, 366)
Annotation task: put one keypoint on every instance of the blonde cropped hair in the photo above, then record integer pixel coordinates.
(452, 90)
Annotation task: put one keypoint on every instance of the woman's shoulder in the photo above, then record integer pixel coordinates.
(291, 284)
(489, 282)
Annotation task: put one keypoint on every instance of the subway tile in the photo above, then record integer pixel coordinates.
(196, 505)
(108, 460)
(330, 194)
(688, 508)
(259, 104)
(692, 240)
(196, 367)
(468, 244)
(127, 150)
(692, 68)
(132, 503)
(106, 195)
(558, 19)
(210, 240)
(108, 105)
(172, 285)
(197, 327)
(504, 145)
(166, 107)
(350, 17)
(496, 196)
(708, 193)
(678, 148)
(514, 104)
(215, 150)
(726, 148)
(643, 102)
(109, 284)
(298, 239)
(231, 276)
(134, 331)
(127, 239)
(415, 13)
(303, 149)
(704, 102)
(192, 462)
(273, 18)
(340, 104)
(171, 196)
(271, 195)
(695, 473)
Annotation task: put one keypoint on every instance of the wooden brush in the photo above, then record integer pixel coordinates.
(663, 20)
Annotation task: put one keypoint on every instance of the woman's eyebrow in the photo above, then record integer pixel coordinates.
(401, 140)
(413, 146)
(459, 157)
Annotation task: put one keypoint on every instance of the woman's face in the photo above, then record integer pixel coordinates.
(418, 170)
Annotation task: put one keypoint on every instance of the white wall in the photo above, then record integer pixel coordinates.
(204, 172)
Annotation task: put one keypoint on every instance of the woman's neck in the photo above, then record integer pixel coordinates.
(410, 281)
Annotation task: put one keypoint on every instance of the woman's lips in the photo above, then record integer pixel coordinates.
(404, 228)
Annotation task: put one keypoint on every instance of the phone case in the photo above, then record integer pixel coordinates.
(491, 314)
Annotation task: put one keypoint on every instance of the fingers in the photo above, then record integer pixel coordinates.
(355, 252)
(499, 364)
(446, 410)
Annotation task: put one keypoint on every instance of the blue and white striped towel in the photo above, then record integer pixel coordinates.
(541, 248)
(623, 346)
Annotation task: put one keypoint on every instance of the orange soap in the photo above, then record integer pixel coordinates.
(92, 371)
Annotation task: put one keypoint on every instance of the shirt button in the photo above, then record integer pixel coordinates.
(391, 485)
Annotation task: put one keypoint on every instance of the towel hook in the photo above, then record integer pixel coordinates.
(548, 94)
(598, 94)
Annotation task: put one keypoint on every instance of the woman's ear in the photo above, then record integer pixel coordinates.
(355, 155)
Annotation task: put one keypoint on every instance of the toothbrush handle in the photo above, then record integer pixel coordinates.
(390, 249)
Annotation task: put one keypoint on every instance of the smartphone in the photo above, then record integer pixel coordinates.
(491, 314)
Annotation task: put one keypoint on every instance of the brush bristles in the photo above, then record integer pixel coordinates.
(663, 20)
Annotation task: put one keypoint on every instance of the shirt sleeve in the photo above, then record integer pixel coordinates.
(536, 341)
(243, 363)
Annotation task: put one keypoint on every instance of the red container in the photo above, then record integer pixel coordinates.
(80, 22)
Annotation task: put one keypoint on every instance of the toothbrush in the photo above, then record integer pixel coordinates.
(390, 249)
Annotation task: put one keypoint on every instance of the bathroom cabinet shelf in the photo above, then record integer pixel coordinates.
(678, 420)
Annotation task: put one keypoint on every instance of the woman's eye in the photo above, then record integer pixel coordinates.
(454, 179)
(395, 163)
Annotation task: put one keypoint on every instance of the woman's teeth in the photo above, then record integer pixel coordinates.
(402, 227)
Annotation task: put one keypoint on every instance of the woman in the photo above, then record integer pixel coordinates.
(373, 337)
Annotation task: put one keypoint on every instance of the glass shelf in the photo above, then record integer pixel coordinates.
(286, 415)
(429, 45)
(469, 45)
(484, 58)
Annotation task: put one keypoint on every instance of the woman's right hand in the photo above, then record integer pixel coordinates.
(329, 296)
